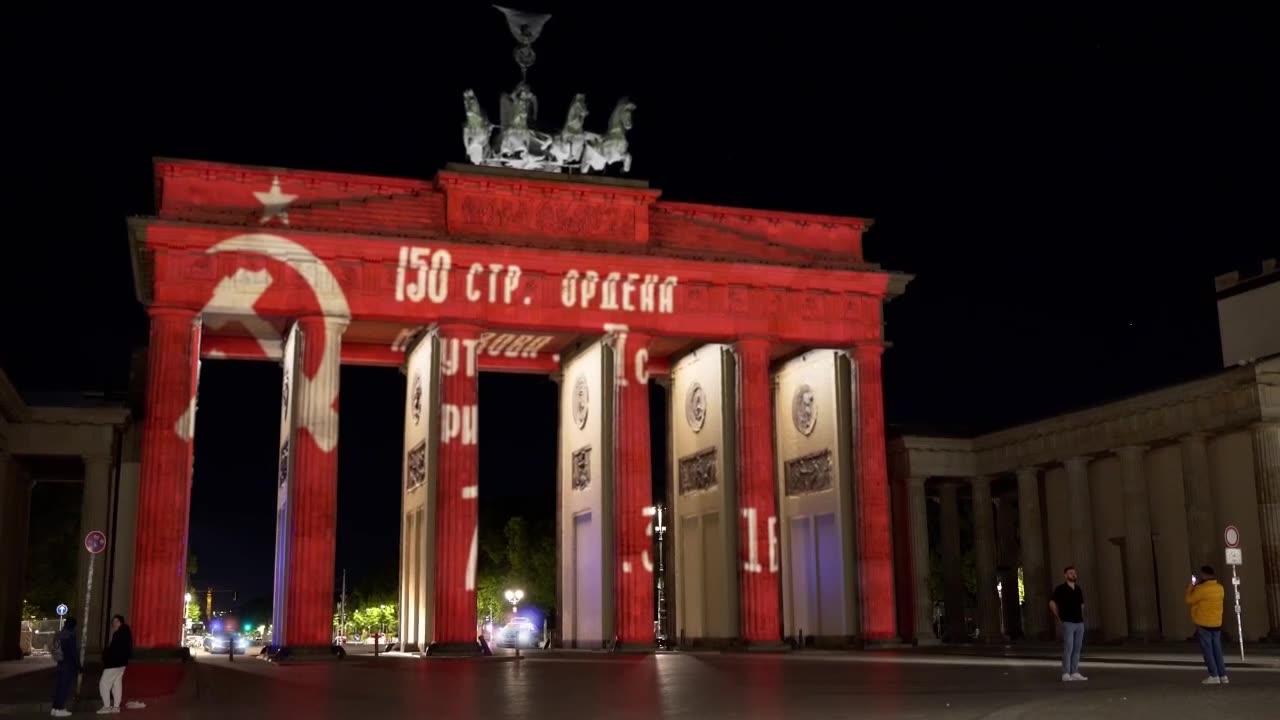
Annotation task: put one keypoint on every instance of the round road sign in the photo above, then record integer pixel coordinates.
(62, 610)
(1232, 536)
(95, 542)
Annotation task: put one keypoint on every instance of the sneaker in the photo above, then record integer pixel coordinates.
(135, 705)
(60, 713)
(1224, 679)
(1066, 677)
(1078, 676)
(106, 710)
(115, 709)
(1211, 680)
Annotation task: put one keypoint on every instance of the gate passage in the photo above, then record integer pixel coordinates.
(766, 327)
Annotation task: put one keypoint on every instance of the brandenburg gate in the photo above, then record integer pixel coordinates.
(766, 326)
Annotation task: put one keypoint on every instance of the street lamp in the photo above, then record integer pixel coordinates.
(186, 617)
(660, 529)
(514, 597)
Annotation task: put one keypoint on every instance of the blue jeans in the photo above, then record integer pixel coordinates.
(1211, 646)
(64, 684)
(1072, 642)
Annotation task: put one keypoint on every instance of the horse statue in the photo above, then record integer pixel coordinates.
(476, 130)
(601, 151)
(567, 147)
(518, 143)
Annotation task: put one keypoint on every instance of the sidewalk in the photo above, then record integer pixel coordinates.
(27, 685)
(1172, 654)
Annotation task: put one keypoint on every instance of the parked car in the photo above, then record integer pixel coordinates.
(225, 643)
(520, 632)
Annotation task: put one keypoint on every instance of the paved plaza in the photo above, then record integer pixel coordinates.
(712, 685)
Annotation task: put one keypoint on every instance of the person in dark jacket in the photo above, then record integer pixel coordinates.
(114, 660)
(68, 656)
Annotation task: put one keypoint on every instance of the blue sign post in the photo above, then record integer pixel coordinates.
(62, 610)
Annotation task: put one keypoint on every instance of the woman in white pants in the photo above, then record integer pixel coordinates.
(114, 660)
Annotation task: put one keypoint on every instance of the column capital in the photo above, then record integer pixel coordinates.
(1031, 472)
(1198, 436)
(1132, 450)
(330, 322)
(461, 330)
(173, 312)
(1265, 425)
(977, 480)
(867, 350)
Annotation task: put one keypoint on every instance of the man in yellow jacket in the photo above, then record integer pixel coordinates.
(1204, 595)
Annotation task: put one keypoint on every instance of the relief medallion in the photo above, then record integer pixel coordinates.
(695, 407)
(581, 401)
(803, 411)
(415, 399)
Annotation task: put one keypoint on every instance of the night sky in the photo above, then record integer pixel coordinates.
(1063, 187)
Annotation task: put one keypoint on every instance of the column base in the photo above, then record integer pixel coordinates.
(456, 649)
(306, 653)
(828, 642)
(764, 646)
(879, 643)
(712, 643)
(927, 641)
(162, 655)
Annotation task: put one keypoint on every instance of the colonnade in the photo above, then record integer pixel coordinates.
(1135, 522)
(439, 598)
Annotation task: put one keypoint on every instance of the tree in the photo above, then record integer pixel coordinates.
(193, 608)
(53, 550)
(521, 555)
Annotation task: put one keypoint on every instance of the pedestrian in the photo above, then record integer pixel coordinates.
(1204, 596)
(66, 652)
(1067, 606)
(114, 660)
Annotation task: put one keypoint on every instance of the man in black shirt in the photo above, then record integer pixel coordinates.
(1068, 608)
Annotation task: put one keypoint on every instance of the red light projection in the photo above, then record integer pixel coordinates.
(512, 268)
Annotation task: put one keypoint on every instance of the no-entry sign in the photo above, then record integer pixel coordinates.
(1231, 536)
(95, 542)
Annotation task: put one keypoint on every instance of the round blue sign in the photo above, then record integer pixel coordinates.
(95, 542)
(62, 610)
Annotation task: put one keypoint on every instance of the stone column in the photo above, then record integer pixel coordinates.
(1007, 564)
(871, 494)
(1198, 496)
(457, 489)
(164, 485)
(1266, 474)
(633, 492)
(918, 532)
(1139, 557)
(15, 514)
(1035, 582)
(558, 622)
(95, 514)
(759, 586)
(1080, 508)
(952, 579)
(985, 559)
(313, 511)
